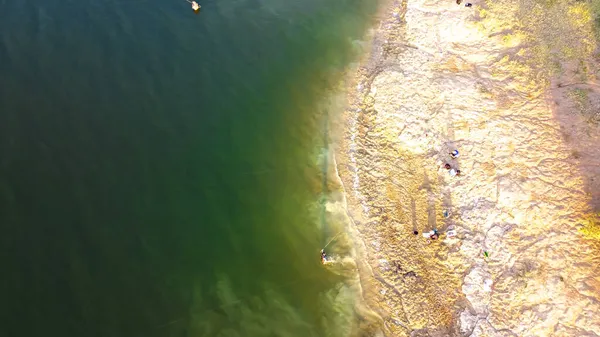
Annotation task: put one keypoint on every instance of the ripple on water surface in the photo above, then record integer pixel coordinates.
(159, 172)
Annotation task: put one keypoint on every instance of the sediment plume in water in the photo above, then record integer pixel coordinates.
(512, 86)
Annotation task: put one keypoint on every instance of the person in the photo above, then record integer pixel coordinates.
(457, 172)
(454, 153)
(447, 166)
(416, 232)
(323, 256)
(468, 4)
(433, 235)
(458, 2)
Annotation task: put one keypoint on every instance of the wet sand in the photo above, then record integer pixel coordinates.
(440, 77)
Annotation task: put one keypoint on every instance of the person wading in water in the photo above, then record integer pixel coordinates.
(323, 256)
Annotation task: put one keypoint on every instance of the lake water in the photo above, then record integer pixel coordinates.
(161, 172)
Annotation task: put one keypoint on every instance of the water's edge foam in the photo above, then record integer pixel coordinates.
(365, 277)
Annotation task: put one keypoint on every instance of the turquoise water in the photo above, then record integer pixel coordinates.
(161, 172)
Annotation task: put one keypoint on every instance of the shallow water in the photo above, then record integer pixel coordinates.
(161, 171)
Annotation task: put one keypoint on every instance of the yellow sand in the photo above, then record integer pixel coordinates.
(487, 81)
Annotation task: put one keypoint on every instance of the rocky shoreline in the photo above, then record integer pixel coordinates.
(437, 79)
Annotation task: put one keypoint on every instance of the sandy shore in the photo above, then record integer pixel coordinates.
(440, 77)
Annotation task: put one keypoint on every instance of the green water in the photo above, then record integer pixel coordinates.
(161, 171)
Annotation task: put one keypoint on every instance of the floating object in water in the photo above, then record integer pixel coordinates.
(468, 4)
(195, 5)
(446, 213)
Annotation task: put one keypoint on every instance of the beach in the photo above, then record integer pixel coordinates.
(167, 172)
(441, 77)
